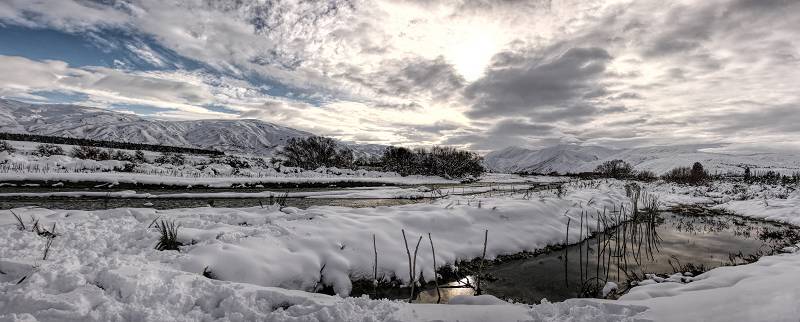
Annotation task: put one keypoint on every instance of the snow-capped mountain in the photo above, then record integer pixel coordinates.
(559, 158)
(658, 159)
(238, 136)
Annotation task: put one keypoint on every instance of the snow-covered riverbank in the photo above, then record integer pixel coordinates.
(102, 266)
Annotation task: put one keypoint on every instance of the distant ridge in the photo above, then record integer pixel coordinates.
(572, 158)
(64, 120)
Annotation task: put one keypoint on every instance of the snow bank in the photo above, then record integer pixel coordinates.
(781, 210)
(215, 182)
(763, 291)
(475, 300)
(297, 248)
(103, 266)
(198, 170)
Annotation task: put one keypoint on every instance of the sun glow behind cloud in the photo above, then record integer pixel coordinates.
(474, 73)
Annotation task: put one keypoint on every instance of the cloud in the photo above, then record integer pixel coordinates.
(474, 73)
(504, 133)
(541, 88)
(781, 119)
(20, 75)
(406, 78)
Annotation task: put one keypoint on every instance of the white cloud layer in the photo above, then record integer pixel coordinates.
(476, 73)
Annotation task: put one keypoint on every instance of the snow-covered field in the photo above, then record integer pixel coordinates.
(343, 193)
(103, 265)
(24, 165)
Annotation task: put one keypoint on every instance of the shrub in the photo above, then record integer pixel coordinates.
(47, 149)
(398, 159)
(138, 157)
(234, 162)
(450, 162)
(646, 176)
(678, 175)
(5, 146)
(259, 162)
(614, 169)
(171, 158)
(169, 236)
(446, 162)
(698, 174)
(316, 151)
(694, 175)
(104, 155)
(90, 153)
(120, 155)
(127, 167)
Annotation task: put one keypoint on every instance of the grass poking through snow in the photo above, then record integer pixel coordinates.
(169, 235)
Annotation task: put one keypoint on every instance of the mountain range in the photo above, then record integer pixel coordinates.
(570, 158)
(248, 136)
(237, 136)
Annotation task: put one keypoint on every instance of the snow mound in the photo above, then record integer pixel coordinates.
(475, 300)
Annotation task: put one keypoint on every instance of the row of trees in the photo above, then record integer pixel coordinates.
(770, 177)
(314, 152)
(694, 175)
(98, 154)
(104, 144)
(620, 169)
(440, 161)
(80, 152)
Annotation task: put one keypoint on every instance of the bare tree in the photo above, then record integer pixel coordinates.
(316, 151)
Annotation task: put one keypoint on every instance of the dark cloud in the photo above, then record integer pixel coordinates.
(613, 109)
(517, 127)
(541, 88)
(781, 119)
(628, 122)
(438, 127)
(411, 77)
(626, 96)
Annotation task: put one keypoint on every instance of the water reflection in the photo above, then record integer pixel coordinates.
(672, 243)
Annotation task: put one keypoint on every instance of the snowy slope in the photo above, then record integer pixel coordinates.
(659, 159)
(240, 136)
(559, 158)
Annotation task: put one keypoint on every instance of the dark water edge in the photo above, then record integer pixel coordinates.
(173, 203)
(100, 203)
(687, 241)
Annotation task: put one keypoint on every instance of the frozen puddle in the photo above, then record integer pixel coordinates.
(690, 244)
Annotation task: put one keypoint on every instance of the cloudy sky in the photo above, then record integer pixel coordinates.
(479, 74)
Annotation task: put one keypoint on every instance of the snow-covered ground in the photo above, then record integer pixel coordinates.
(344, 193)
(115, 178)
(23, 165)
(103, 267)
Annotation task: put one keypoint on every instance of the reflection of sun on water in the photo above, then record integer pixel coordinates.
(448, 291)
